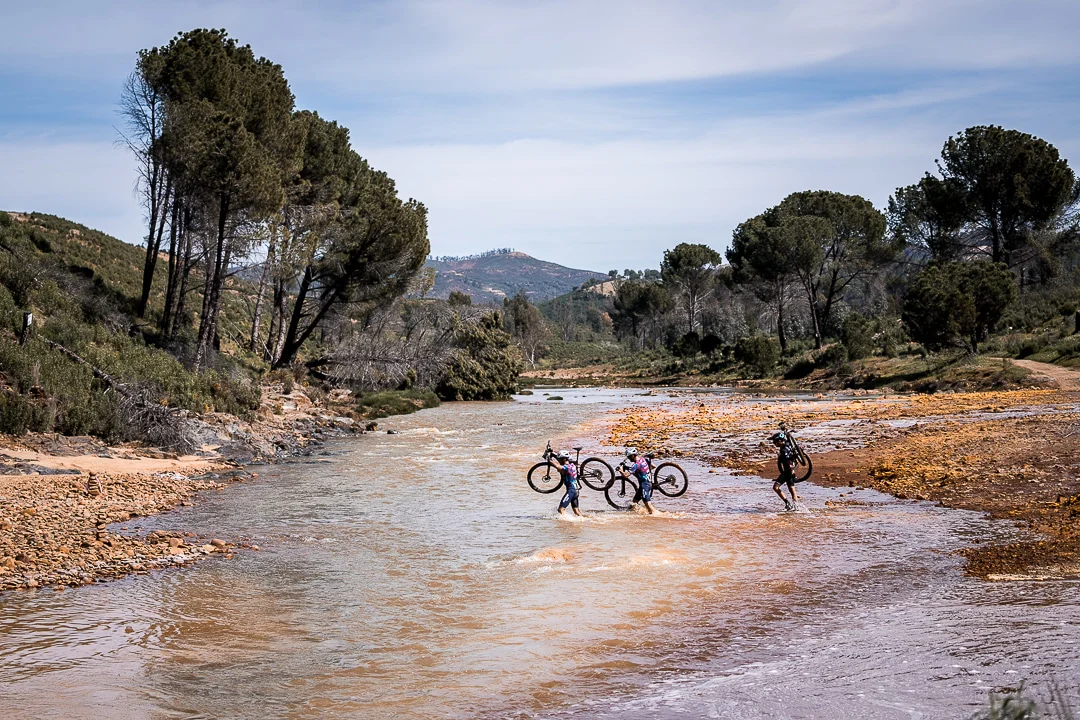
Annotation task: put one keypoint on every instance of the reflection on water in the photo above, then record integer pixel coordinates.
(417, 575)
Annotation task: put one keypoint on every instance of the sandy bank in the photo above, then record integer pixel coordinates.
(61, 497)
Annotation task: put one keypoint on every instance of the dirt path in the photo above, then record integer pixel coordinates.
(1066, 378)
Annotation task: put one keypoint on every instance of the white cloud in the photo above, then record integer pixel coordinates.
(499, 45)
(527, 145)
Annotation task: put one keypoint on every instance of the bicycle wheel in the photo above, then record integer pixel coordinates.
(804, 459)
(545, 477)
(597, 474)
(621, 493)
(670, 479)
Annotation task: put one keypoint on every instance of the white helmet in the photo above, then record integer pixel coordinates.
(631, 452)
(563, 454)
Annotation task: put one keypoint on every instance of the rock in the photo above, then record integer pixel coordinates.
(175, 542)
(391, 432)
(218, 543)
(5, 524)
(372, 426)
(8, 562)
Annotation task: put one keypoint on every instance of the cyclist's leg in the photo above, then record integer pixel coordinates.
(646, 495)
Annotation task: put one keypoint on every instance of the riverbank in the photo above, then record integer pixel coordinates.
(63, 500)
(1011, 455)
(957, 371)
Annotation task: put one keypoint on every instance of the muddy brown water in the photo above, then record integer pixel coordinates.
(416, 575)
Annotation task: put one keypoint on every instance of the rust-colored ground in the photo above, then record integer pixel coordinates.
(961, 450)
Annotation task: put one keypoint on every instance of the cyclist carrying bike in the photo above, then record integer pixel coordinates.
(785, 460)
(569, 473)
(638, 466)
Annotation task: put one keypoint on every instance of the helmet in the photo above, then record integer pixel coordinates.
(631, 452)
(779, 438)
(563, 454)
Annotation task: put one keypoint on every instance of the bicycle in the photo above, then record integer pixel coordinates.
(801, 458)
(667, 477)
(593, 472)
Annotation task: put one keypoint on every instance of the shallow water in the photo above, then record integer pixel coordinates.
(416, 575)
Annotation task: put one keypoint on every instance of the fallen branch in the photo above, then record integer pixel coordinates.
(100, 374)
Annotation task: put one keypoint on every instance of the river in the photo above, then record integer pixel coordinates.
(416, 575)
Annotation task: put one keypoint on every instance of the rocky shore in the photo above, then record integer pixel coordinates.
(64, 501)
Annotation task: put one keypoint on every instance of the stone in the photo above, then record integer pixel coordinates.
(175, 542)
(218, 543)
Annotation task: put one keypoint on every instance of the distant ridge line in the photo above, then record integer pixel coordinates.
(459, 258)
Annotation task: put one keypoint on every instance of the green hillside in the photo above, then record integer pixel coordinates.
(82, 287)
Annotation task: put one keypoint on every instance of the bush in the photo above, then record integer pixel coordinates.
(857, 335)
(759, 353)
(711, 343)
(486, 365)
(396, 402)
(800, 369)
(687, 346)
(833, 356)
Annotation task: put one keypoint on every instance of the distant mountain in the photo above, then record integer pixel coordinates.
(492, 276)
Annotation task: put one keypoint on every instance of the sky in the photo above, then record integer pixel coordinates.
(592, 133)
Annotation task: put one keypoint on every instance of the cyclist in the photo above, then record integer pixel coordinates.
(570, 479)
(638, 465)
(785, 459)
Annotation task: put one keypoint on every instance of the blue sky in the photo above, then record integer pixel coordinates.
(593, 133)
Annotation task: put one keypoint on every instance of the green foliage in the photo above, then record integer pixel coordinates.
(759, 353)
(857, 335)
(833, 356)
(687, 346)
(486, 364)
(638, 303)
(690, 269)
(396, 402)
(957, 301)
(459, 299)
(1009, 185)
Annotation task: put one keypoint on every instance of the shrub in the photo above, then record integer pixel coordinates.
(800, 369)
(857, 335)
(486, 365)
(833, 356)
(687, 346)
(396, 402)
(710, 344)
(759, 353)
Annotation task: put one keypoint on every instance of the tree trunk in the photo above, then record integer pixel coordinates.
(153, 245)
(212, 293)
(180, 316)
(280, 308)
(173, 274)
(780, 321)
(256, 321)
(151, 251)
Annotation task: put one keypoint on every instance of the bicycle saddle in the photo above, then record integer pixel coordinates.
(579, 449)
